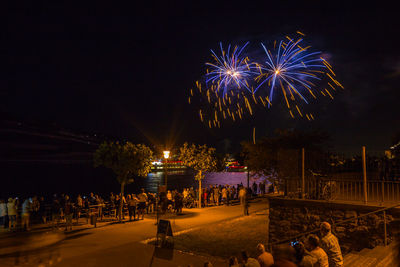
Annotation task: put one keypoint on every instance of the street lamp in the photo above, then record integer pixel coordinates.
(166, 156)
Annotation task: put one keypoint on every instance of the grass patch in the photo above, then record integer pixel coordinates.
(226, 239)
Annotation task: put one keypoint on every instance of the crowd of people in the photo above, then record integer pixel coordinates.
(16, 214)
(321, 250)
(61, 209)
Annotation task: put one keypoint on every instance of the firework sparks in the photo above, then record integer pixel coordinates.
(234, 85)
(230, 70)
(295, 71)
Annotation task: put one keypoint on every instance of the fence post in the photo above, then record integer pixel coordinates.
(364, 175)
(384, 228)
(383, 191)
(302, 174)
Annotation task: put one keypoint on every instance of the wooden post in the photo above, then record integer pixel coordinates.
(364, 175)
(302, 174)
(166, 174)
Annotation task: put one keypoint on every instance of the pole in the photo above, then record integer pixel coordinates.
(199, 192)
(364, 175)
(166, 174)
(158, 194)
(248, 178)
(302, 173)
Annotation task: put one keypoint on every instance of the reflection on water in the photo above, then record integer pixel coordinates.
(179, 179)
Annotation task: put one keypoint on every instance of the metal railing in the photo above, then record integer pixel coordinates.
(350, 220)
(349, 190)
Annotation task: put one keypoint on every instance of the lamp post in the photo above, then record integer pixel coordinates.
(166, 156)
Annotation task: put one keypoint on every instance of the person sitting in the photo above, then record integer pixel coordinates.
(302, 258)
(265, 259)
(312, 245)
(284, 255)
(249, 262)
(330, 244)
(233, 262)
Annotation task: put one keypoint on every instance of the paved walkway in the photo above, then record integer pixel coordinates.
(113, 244)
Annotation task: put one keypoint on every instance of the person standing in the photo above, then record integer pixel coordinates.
(254, 188)
(178, 203)
(78, 207)
(56, 210)
(132, 202)
(68, 213)
(330, 245)
(142, 203)
(216, 195)
(12, 214)
(25, 214)
(224, 193)
(3, 213)
(152, 203)
(35, 206)
(242, 195)
(262, 187)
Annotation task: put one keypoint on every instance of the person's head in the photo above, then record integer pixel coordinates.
(325, 228)
(10, 199)
(312, 242)
(245, 256)
(260, 248)
(142, 190)
(233, 261)
(91, 194)
(66, 197)
(208, 264)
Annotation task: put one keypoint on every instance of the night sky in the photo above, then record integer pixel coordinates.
(125, 70)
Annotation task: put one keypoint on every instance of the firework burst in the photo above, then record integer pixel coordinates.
(295, 71)
(230, 70)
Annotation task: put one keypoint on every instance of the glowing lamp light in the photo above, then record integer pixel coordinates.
(277, 72)
(166, 154)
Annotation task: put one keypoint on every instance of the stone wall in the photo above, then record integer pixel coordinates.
(289, 217)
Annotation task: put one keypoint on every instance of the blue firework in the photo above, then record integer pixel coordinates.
(293, 69)
(230, 71)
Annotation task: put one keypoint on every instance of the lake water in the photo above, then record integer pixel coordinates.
(184, 179)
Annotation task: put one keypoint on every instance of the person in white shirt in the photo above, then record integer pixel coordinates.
(3, 213)
(12, 214)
